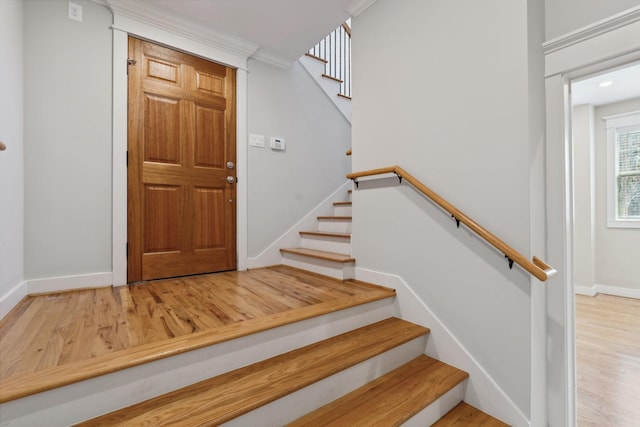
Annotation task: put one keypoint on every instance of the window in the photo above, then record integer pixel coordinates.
(623, 170)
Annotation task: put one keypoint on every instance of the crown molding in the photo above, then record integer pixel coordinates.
(594, 30)
(272, 59)
(183, 27)
(356, 7)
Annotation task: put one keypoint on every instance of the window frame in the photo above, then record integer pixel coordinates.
(619, 123)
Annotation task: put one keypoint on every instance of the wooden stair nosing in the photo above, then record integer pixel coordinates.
(467, 415)
(342, 203)
(342, 95)
(335, 79)
(345, 236)
(19, 386)
(318, 254)
(334, 218)
(390, 399)
(222, 398)
(310, 55)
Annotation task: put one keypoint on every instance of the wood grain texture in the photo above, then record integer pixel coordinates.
(608, 361)
(182, 210)
(533, 268)
(466, 415)
(345, 236)
(54, 340)
(227, 396)
(324, 255)
(389, 400)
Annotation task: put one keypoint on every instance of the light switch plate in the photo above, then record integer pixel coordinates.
(256, 140)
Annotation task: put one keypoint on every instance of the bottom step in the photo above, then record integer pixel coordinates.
(391, 399)
(467, 415)
(336, 265)
(227, 396)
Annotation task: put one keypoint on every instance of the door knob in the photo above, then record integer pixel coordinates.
(230, 165)
(231, 179)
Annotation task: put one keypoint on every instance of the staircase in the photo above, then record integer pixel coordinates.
(327, 249)
(382, 366)
(329, 64)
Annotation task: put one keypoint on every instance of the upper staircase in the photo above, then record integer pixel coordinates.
(329, 64)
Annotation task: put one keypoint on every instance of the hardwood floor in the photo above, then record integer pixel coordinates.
(60, 335)
(608, 361)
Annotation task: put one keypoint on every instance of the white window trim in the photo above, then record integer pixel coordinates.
(615, 124)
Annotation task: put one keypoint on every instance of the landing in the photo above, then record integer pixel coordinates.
(53, 340)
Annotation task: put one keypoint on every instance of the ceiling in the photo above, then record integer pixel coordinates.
(625, 84)
(277, 31)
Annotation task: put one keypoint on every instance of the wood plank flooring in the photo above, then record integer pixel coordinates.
(56, 339)
(608, 361)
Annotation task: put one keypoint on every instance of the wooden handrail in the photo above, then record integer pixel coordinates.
(537, 267)
(347, 28)
(348, 153)
(2, 146)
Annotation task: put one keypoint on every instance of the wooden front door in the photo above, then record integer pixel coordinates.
(181, 178)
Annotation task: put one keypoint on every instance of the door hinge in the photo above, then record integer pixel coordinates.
(127, 249)
(127, 158)
(130, 61)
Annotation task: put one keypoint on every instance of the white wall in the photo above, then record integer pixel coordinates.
(617, 249)
(11, 160)
(285, 185)
(445, 90)
(565, 16)
(67, 140)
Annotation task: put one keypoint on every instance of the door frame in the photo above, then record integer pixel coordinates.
(605, 44)
(193, 44)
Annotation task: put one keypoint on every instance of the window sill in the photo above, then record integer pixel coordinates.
(624, 223)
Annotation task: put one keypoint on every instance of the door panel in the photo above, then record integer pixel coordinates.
(181, 137)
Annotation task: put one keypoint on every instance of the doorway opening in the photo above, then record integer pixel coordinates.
(605, 163)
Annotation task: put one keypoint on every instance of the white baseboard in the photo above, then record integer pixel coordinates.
(482, 391)
(291, 238)
(618, 291)
(69, 283)
(12, 298)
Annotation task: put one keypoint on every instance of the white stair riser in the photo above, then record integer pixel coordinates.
(342, 210)
(437, 409)
(297, 404)
(88, 399)
(326, 243)
(337, 270)
(336, 226)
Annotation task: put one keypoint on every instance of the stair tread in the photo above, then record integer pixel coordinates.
(222, 398)
(310, 55)
(334, 218)
(315, 253)
(342, 203)
(335, 79)
(327, 234)
(466, 415)
(391, 399)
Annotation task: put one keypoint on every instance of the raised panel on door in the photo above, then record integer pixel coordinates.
(208, 232)
(162, 212)
(161, 129)
(210, 138)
